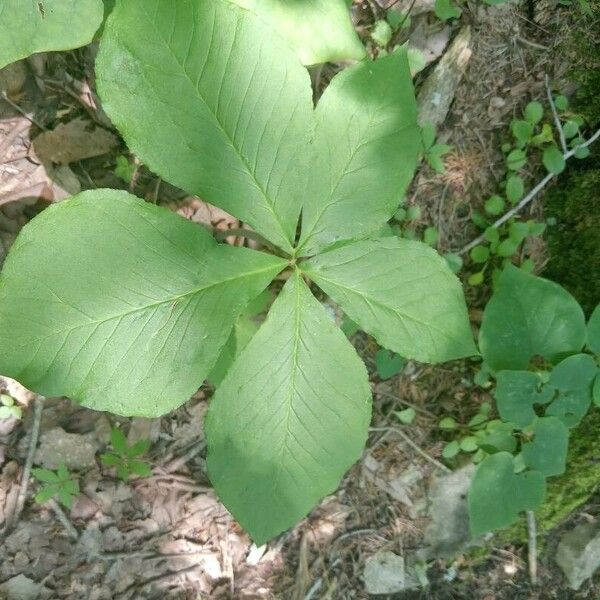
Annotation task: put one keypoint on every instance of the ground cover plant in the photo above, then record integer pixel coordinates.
(126, 307)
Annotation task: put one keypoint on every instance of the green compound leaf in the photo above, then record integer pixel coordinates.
(290, 417)
(401, 292)
(319, 30)
(516, 394)
(367, 143)
(547, 453)
(225, 134)
(498, 494)
(529, 316)
(573, 379)
(29, 26)
(593, 331)
(119, 304)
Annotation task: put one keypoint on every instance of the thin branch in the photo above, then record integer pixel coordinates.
(38, 405)
(436, 463)
(64, 520)
(530, 196)
(221, 235)
(557, 123)
(532, 547)
(29, 117)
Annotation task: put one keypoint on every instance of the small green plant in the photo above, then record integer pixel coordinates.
(388, 363)
(545, 361)
(134, 307)
(60, 484)
(8, 408)
(434, 152)
(125, 458)
(501, 244)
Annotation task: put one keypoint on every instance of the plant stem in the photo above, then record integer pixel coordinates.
(561, 133)
(530, 196)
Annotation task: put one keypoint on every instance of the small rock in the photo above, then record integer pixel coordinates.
(448, 533)
(578, 553)
(23, 588)
(386, 573)
(75, 450)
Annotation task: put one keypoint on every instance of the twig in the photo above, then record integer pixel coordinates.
(221, 235)
(64, 520)
(532, 547)
(21, 111)
(415, 447)
(561, 133)
(530, 196)
(38, 405)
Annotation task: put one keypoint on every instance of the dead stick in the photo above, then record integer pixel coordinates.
(529, 197)
(557, 123)
(64, 520)
(532, 547)
(38, 405)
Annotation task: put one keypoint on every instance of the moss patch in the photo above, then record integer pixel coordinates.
(574, 242)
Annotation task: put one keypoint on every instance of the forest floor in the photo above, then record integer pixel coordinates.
(167, 535)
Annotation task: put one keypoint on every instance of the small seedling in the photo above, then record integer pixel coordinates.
(406, 416)
(125, 458)
(8, 408)
(60, 484)
(388, 363)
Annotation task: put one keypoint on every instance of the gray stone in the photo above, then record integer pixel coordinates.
(23, 588)
(578, 553)
(386, 573)
(75, 450)
(448, 532)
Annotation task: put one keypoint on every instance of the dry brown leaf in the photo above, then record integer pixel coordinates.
(73, 141)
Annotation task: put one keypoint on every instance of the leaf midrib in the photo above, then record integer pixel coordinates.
(221, 127)
(143, 308)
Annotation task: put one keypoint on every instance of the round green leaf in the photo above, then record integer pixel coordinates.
(507, 247)
(547, 453)
(529, 316)
(553, 160)
(480, 254)
(494, 205)
(514, 188)
(451, 449)
(534, 112)
(498, 495)
(593, 331)
(522, 130)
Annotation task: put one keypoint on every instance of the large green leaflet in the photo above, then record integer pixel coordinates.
(119, 304)
(547, 452)
(214, 103)
(529, 316)
(29, 26)
(367, 142)
(290, 417)
(498, 494)
(402, 292)
(319, 30)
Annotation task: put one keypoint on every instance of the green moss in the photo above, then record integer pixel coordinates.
(584, 47)
(574, 242)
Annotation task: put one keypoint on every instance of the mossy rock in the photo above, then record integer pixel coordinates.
(574, 242)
